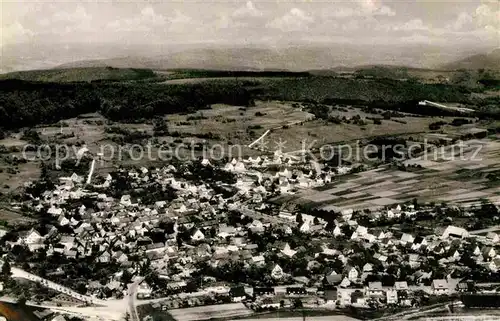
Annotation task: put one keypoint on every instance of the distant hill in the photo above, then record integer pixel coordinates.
(480, 61)
(292, 58)
(301, 56)
(80, 74)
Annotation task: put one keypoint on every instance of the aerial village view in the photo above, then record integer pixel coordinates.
(321, 161)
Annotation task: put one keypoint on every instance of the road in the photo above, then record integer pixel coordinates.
(259, 139)
(19, 273)
(486, 230)
(132, 299)
(104, 309)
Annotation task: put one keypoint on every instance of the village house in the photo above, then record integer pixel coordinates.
(493, 237)
(439, 287)
(374, 289)
(453, 231)
(277, 272)
(401, 286)
(352, 274)
(391, 296)
(488, 253)
(406, 239)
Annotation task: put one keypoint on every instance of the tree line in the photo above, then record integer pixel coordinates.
(25, 103)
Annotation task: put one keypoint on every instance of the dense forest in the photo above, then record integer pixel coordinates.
(317, 88)
(83, 74)
(25, 103)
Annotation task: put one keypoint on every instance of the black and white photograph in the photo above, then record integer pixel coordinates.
(260, 160)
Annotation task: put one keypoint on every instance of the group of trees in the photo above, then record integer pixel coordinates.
(24, 103)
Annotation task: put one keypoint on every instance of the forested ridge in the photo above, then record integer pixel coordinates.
(27, 103)
(24, 103)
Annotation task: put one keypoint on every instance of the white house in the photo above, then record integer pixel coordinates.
(32, 237)
(54, 211)
(391, 296)
(258, 260)
(453, 231)
(144, 290)
(197, 236)
(337, 231)
(277, 272)
(361, 230)
(493, 237)
(407, 239)
(352, 274)
(367, 268)
(345, 283)
(375, 289)
(401, 286)
(439, 286)
(305, 228)
(288, 251)
(488, 252)
(344, 298)
(370, 238)
(494, 265)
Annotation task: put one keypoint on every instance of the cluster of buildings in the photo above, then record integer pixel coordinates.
(336, 263)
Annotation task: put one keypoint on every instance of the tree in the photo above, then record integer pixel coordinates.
(299, 219)
(126, 277)
(6, 271)
(297, 304)
(160, 127)
(415, 204)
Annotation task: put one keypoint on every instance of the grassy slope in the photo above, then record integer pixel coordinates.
(80, 74)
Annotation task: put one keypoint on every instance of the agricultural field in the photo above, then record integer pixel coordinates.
(221, 125)
(197, 80)
(435, 178)
(321, 132)
(232, 122)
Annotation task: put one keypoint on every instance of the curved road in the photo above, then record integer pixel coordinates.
(18, 273)
(106, 309)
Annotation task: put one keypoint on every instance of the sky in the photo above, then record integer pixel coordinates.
(375, 22)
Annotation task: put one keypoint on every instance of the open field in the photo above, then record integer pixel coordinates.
(321, 132)
(211, 311)
(204, 79)
(13, 177)
(227, 125)
(232, 122)
(439, 180)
